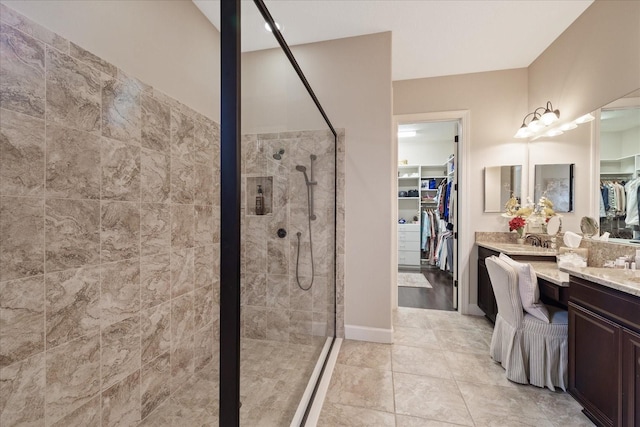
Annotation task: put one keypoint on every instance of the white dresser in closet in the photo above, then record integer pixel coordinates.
(409, 245)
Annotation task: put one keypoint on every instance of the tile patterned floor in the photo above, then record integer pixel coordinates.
(437, 373)
(273, 378)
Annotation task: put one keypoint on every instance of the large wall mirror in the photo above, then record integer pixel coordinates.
(555, 182)
(620, 167)
(500, 183)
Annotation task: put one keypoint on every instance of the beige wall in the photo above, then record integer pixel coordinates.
(595, 61)
(352, 79)
(169, 45)
(497, 101)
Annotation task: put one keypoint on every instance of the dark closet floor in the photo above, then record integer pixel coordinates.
(438, 298)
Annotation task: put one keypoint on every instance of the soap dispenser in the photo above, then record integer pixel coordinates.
(260, 201)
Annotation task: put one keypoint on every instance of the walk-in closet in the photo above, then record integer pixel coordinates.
(426, 206)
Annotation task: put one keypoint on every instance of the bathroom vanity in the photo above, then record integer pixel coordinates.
(553, 284)
(604, 344)
(604, 327)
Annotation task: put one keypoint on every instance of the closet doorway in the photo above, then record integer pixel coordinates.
(427, 214)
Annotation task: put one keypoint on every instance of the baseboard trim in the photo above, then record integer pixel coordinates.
(365, 333)
(474, 310)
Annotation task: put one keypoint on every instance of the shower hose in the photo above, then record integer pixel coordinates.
(299, 234)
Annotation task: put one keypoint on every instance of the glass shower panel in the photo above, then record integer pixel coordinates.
(287, 232)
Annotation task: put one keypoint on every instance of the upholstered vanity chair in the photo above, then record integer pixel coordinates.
(532, 349)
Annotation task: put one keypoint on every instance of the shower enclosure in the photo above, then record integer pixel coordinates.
(287, 217)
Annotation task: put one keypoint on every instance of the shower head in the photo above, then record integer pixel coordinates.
(278, 155)
(301, 168)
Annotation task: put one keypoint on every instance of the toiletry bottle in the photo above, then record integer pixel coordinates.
(260, 201)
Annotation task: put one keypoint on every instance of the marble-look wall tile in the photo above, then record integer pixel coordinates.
(72, 304)
(86, 415)
(72, 233)
(155, 176)
(155, 331)
(203, 177)
(300, 326)
(182, 226)
(299, 298)
(254, 289)
(73, 92)
(120, 234)
(182, 272)
(156, 124)
(119, 291)
(203, 307)
(21, 154)
(278, 291)
(278, 256)
(121, 403)
(255, 322)
(154, 380)
(121, 110)
(155, 228)
(72, 375)
(73, 164)
(22, 388)
(120, 170)
(204, 347)
(22, 72)
(120, 350)
(203, 262)
(21, 319)
(182, 136)
(93, 60)
(181, 338)
(22, 237)
(182, 181)
(155, 280)
(204, 137)
(34, 30)
(278, 325)
(205, 225)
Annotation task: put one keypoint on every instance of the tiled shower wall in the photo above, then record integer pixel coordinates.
(274, 306)
(109, 219)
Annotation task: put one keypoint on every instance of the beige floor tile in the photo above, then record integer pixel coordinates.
(467, 341)
(492, 405)
(407, 421)
(336, 415)
(420, 361)
(365, 354)
(433, 398)
(415, 337)
(411, 318)
(477, 368)
(362, 387)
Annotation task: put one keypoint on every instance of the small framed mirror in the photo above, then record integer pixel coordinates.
(588, 226)
(554, 225)
(500, 183)
(555, 182)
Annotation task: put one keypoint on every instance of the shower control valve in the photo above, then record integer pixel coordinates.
(282, 233)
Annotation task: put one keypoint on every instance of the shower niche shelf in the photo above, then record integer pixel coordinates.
(259, 192)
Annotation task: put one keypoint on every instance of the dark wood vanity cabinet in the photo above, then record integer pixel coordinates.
(549, 292)
(486, 298)
(604, 353)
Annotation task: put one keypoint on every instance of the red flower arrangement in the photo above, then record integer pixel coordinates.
(517, 223)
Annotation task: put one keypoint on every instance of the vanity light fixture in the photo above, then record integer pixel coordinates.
(584, 119)
(568, 126)
(542, 117)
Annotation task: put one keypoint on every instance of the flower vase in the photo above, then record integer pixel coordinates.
(520, 241)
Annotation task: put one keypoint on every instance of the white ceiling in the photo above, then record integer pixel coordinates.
(430, 37)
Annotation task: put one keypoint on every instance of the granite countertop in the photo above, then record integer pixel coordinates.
(627, 281)
(548, 270)
(517, 249)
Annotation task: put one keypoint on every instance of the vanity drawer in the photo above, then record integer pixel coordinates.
(409, 257)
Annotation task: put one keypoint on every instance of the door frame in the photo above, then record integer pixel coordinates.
(465, 240)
